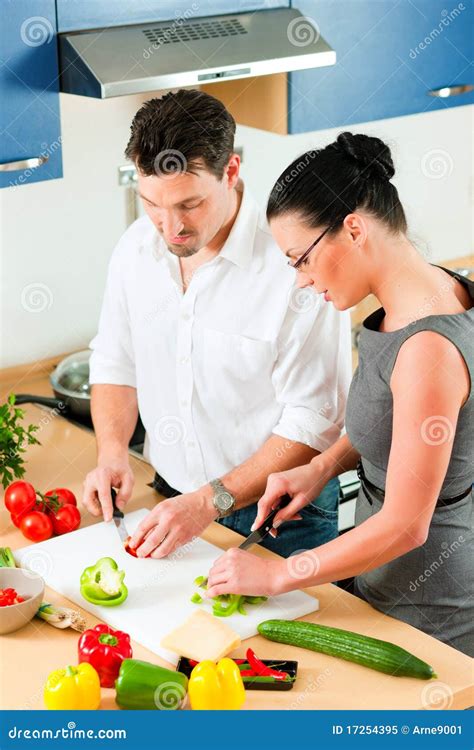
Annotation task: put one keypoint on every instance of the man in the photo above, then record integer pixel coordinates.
(203, 331)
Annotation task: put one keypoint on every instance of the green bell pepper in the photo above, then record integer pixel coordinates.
(143, 686)
(103, 584)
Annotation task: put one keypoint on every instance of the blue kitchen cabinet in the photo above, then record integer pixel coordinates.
(91, 14)
(390, 54)
(30, 133)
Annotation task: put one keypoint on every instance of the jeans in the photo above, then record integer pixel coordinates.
(318, 525)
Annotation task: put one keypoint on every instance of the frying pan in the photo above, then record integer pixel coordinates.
(70, 384)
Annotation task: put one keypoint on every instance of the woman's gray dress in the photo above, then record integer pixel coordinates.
(430, 587)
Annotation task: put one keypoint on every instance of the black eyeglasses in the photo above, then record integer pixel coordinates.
(297, 264)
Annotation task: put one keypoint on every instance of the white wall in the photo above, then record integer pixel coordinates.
(56, 237)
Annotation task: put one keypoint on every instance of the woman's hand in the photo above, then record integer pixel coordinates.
(240, 572)
(303, 484)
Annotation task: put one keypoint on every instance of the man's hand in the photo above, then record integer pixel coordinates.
(174, 522)
(110, 472)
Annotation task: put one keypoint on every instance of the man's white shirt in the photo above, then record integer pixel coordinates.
(241, 355)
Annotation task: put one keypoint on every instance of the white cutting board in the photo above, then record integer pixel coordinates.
(159, 590)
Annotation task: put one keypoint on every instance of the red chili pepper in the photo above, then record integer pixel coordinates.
(105, 649)
(261, 669)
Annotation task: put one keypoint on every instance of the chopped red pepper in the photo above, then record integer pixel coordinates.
(131, 550)
(105, 649)
(261, 669)
(9, 596)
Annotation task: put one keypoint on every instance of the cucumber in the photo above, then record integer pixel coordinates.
(369, 652)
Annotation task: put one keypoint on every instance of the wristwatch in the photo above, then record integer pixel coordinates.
(223, 500)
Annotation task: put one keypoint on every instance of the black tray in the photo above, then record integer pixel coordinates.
(291, 667)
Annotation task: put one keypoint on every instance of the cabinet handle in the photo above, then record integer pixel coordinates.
(446, 91)
(33, 163)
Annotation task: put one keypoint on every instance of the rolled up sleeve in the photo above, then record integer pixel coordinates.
(313, 371)
(112, 360)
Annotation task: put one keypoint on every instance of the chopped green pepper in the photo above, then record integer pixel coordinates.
(226, 604)
(103, 584)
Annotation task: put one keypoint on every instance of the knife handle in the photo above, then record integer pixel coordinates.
(268, 522)
(117, 512)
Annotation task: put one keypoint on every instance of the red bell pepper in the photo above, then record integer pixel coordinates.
(104, 649)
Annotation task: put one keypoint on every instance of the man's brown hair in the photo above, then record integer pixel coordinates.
(177, 131)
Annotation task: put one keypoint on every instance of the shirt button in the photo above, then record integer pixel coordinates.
(184, 403)
(184, 360)
(191, 444)
(185, 316)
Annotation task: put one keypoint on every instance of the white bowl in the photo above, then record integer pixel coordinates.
(28, 585)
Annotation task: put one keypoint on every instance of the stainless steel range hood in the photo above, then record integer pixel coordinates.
(148, 57)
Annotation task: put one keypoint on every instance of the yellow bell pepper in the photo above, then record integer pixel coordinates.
(73, 688)
(216, 686)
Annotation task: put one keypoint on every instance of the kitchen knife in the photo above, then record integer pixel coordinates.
(257, 536)
(119, 518)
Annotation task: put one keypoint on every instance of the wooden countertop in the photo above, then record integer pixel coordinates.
(64, 457)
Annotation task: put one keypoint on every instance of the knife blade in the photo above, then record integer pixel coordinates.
(119, 518)
(260, 533)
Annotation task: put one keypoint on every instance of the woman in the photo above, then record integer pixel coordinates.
(410, 412)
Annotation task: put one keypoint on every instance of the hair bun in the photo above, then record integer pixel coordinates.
(371, 154)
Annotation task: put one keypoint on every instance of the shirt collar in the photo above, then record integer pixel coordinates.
(239, 245)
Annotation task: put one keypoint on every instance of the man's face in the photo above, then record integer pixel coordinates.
(188, 209)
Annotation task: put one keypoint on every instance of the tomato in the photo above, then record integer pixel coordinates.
(36, 526)
(64, 496)
(16, 518)
(20, 497)
(66, 518)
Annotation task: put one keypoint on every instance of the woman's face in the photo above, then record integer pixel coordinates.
(335, 267)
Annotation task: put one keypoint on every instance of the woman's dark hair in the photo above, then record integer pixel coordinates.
(175, 132)
(324, 186)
